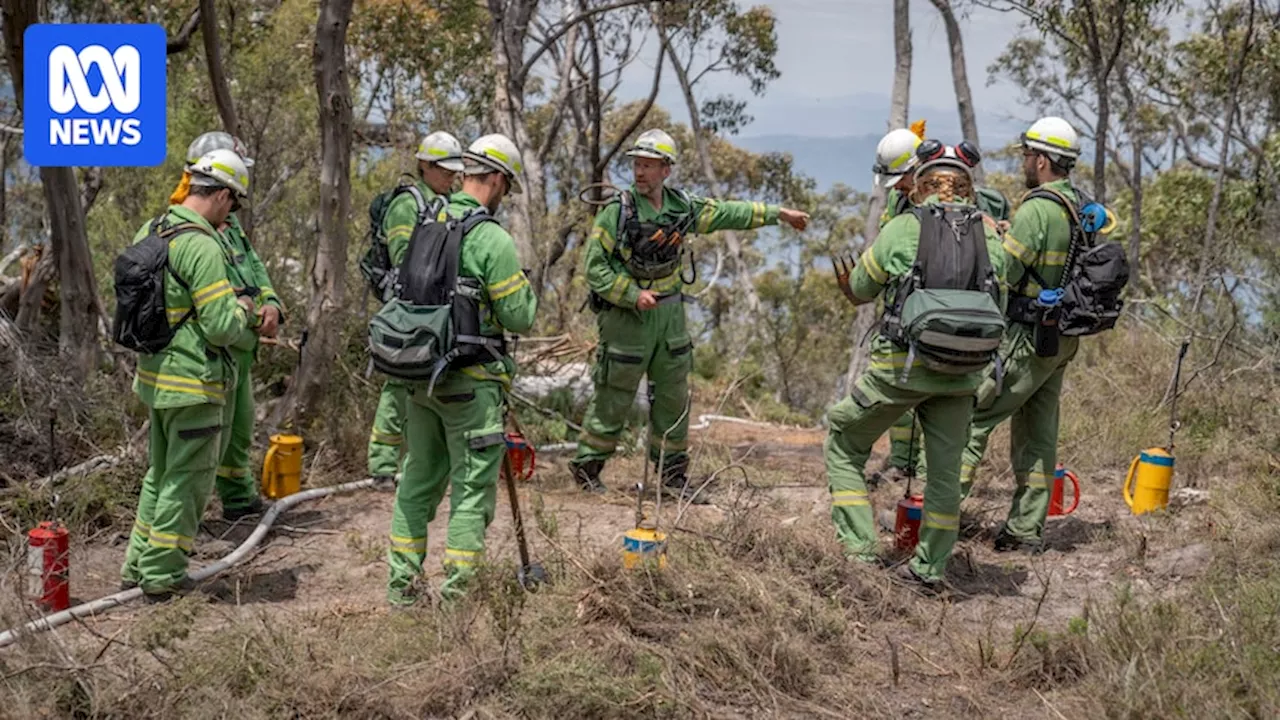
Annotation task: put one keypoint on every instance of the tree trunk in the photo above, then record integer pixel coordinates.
(1215, 201)
(328, 273)
(525, 212)
(702, 145)
(217, 73)
(960, 79)
(899, 101)
(1135, 229)
(68, 253)
(898, 105)
(1100, 141)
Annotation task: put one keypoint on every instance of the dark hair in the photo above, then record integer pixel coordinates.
(206, 190)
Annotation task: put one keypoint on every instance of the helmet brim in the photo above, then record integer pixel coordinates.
(454, 164)
(651, 154)
(887, 180)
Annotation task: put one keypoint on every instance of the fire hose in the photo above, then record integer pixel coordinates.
(236, 557)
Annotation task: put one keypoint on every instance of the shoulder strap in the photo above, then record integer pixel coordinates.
(1078, 236)
(418, 199)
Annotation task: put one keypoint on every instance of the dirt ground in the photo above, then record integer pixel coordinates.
(327, 556)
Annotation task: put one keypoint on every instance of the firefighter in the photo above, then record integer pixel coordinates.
(1036, 245)
(189, 384)
(454, 432)
(235, 484)
(897, 380)
(633, 265)
(439, 162)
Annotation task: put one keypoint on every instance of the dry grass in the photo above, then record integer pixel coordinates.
(753, 617)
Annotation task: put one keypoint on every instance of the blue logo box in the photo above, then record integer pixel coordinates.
(94, 95)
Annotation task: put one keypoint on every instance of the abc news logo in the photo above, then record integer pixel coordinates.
(94, 95)
(69, 89)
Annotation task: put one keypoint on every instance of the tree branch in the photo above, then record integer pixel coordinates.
(89, 189)
(567, 24)
(217, 74)
(643, 112)
(180, 42)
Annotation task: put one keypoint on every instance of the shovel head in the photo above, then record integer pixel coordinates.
(532, 576)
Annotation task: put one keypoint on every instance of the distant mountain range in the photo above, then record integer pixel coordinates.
(834, 139)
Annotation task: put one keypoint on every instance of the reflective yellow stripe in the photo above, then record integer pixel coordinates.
(1050, 139)
(175, 383)
(399, 231)
(176, 314)
(141, 528)
(757, 214)
(408, 544)
(966, 472)
(891, 361)
(618, 290)
(1017, 249)
(604, 237)
(465, 558)
(902, 159)
(897, 433)
(516, 282)
(385, 438)
(230, 472)
(849, 498)
(1053, 258)
(941, 521)
(478, 372)
(170, 540)
(665, 148)
(708, 214)
(209, 293)
(436, 152)
(872, 266)
(663, 286)
(1038, 480)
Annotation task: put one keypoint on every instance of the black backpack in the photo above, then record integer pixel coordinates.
(1093, 277)
(432, 322)
(946, 310)
(375, 264)
(142, 320)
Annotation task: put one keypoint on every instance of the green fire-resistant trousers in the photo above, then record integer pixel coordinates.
(387, 436)
(905, 439)
(633, 343)
(855, 424)
(186, 443)
(455, 440)
(1031, 390)
(235, 484)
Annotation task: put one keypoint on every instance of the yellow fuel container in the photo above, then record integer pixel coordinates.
(282, 468)
(1146, 487)
(644, 545)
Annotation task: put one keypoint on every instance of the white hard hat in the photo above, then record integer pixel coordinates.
(1055, 137)
(217, 140)
(442, 149)
(495, 152)
(895, 157)
(654, 144)
(221, 168)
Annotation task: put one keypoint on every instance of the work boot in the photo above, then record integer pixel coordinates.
(675, 483)
(257, 506)
(889, 474)
(183, 587)
(1007, 542)
(385, 482)
(905, 576)
(588, 476)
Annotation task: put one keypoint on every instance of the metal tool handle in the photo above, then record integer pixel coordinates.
(515, 510)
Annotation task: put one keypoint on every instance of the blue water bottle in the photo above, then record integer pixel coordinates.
(1046, 331)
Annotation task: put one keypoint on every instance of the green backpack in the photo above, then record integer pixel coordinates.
(946, 310)
(432, 322)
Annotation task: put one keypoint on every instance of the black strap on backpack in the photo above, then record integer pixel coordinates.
(1022, 308)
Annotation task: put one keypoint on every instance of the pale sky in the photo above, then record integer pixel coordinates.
(831, 50)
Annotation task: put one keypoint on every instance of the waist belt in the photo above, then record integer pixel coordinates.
(673, 298)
